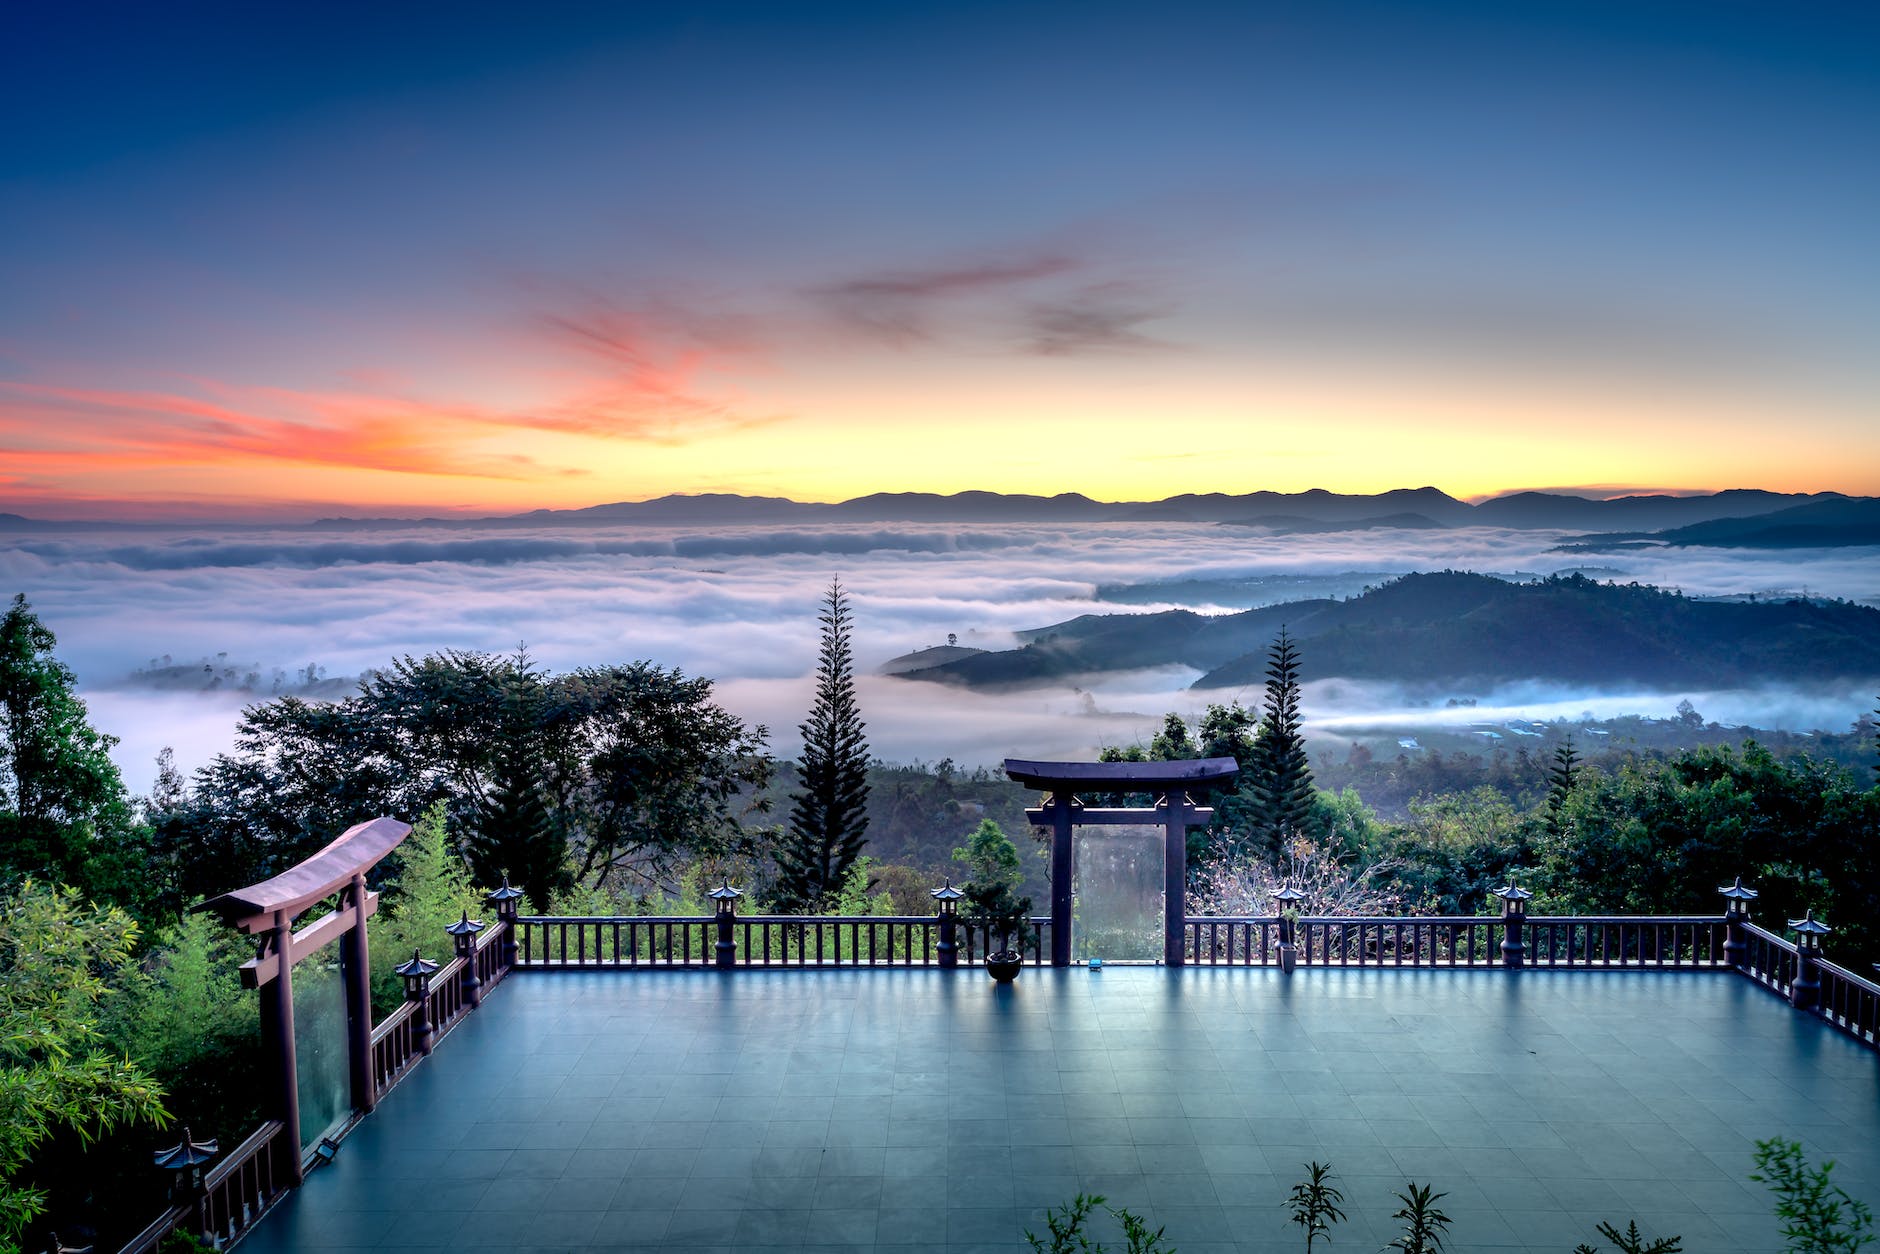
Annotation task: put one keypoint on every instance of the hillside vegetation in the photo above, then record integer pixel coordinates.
(1450, 626)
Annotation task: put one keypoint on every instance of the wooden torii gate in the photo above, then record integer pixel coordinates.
(1169, 782)
(268, 910)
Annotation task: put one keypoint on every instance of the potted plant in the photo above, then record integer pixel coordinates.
(993, 876)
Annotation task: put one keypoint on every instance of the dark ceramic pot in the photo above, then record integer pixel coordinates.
(1004, 966)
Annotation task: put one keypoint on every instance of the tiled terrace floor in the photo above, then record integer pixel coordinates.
(893, 1110)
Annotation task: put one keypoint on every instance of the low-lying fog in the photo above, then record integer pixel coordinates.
(739, 605)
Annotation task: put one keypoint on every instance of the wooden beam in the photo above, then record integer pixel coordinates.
(1192, 816)
(322, 931)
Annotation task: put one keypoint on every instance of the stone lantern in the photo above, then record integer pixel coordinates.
(417, 977)
(1514, 901)
(463, 938)
(1286, 905)
(504, 900)
(185, 1161)
(1805, 991)
(947, 902)
(725, 908)
(1735, 915)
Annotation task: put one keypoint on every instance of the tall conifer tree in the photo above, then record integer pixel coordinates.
(829, 815)
(1282, 782)
(1561, 777)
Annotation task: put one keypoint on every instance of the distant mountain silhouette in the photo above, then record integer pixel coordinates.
(1301, 511)
(1633, 513)
(1836, 523)
(1454, 626)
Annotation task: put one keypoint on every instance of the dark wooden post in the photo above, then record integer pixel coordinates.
(1174, 878)
(1061, 872)
(277, 1035)
(725, 898)
(357, 965)
(1735, 915)
(504, 899)
(463, 938)
(1513, 915)
(947, 899)
(1805, 989)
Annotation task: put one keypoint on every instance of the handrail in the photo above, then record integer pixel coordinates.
(560, 942)
(1851, 1002)
(147, 1241)
(236, 1192)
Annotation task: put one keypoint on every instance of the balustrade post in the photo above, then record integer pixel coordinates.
(417, 977)
(185, 1161)
(1805, 989)
(1514, 901)
(463, 937)
(725, 899)
(504, 900)
(948, 899)
(1735, 915)
(1286, 906)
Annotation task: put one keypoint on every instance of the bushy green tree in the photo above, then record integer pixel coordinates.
(1658, 837)
(57, 1070)
(64, 815)
(426, 889)
(829, 812)
(1226, 731)
(993, 875)
(182, 1014)
(640, 771)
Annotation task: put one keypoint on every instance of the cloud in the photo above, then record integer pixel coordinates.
(651, 391)
(1098, 319)
(45, 425)
(898, 307)
(738, 604)
(53, 436)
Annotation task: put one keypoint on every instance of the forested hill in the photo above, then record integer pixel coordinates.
(1458, 626)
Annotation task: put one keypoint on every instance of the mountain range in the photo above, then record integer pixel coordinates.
(1452, 626)
(1315, 510)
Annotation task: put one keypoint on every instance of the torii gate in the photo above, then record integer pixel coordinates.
(1170, 782)
(268, 909)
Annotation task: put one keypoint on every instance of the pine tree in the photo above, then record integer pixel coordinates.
(829, 816)
(1561, 778)
(515, 833)
(515, 836)
(1282, 784)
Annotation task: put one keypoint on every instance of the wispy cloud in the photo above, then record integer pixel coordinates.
(44, 426)
(1103, 318)
(635, 385)
(898, 307)
(651, 391)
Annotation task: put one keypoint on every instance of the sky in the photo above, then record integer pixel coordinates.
(283, 261)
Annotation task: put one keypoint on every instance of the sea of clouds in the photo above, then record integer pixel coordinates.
(739, 604)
